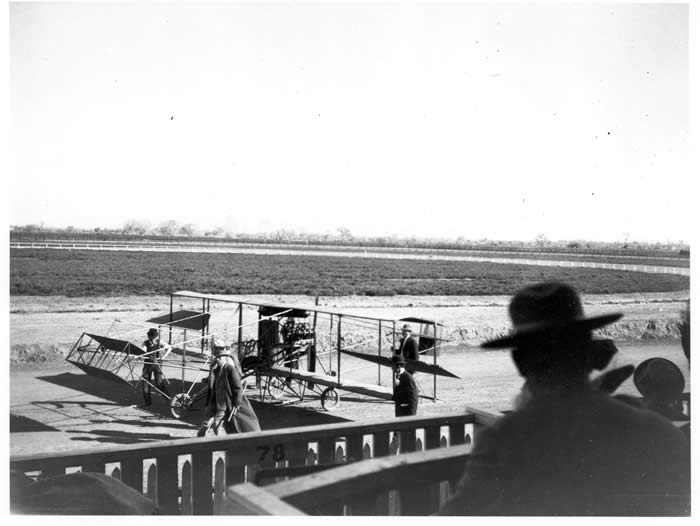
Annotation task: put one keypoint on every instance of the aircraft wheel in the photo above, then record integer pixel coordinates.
(330, 398)
(180, 403)
(276, 387)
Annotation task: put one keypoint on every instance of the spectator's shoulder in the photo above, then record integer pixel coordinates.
(643, 418)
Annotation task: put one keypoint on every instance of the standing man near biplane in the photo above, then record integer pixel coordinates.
(405, 395)
(152, 368)
(228, 409)
(408, 346)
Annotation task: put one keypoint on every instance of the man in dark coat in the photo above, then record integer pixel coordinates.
(405, 395)
(152, 374)
(228, 409)
(408, 346)
(570, 449)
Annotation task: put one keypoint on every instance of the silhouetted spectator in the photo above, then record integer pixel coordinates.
(80, 494)
(685, 343)
(661, 383)
(570, 449)
(607, 382)
(685, 331)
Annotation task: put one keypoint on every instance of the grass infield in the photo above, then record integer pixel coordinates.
(99, 273)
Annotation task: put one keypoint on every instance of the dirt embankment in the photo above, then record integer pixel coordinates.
(43, 328)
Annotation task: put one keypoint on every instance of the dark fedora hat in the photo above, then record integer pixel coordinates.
(659, 378)
(546, 310)
(398, 359)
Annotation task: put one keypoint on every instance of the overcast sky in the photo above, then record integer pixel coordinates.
(432, 119)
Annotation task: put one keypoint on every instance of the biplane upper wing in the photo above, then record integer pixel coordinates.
(414, 365)
(414, 319)
(183, 319)
(113, 344)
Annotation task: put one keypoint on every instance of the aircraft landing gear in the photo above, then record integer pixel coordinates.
(180, 403)
(329, 398)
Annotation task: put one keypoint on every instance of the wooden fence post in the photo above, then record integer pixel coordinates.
(152, 484)
(354, 447)
(407, 441)
(432, 437)
(202, 503)
(186, 500)
(235, 473)
(219, 484)
(456, 434)
(167, 484)
(326, 451)
(381, 444)
(132, 473)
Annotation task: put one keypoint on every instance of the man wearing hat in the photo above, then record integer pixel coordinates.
(408, 345)
(570, 449)
(152, 367)
(228, 409)
(405, 395)
(661, 383)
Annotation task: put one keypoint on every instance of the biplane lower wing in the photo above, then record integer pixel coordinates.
(376, 391)
(108, 358)
(414, 365)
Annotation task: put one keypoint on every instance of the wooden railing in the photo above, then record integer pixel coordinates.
(413, 484)
(191, 475)
(410, 484)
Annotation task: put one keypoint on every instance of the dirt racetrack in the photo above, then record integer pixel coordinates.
(56, 407)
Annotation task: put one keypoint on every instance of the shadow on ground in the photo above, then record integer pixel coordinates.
(22, 424)
(118, 392)
(270, 415)
(118, 437)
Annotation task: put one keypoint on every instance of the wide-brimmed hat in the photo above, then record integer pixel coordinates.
(659, 378)
(152, 333)
(406, 327)
(221, 351)
(547, 310)
(398, 359)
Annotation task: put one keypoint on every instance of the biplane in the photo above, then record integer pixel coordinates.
(287, 352)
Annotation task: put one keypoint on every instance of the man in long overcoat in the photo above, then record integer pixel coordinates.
(228, 409)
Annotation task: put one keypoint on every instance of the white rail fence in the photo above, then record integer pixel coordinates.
(649, 269)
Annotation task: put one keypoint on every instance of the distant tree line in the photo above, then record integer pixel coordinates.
(172, 231)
